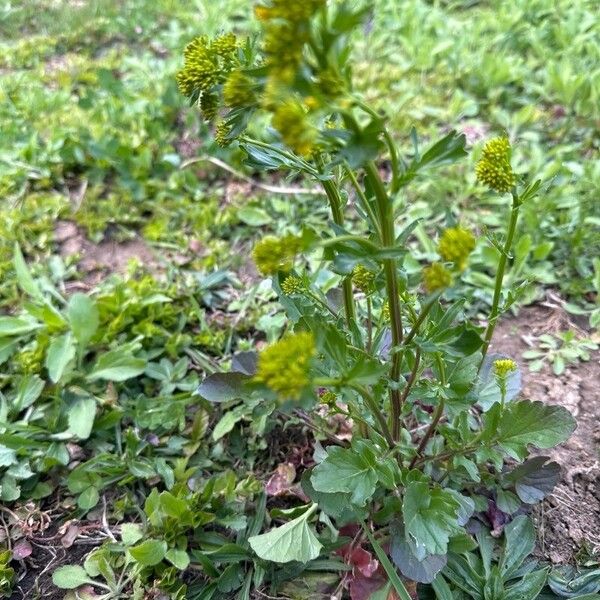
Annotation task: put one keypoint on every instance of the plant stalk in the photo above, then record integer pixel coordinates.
(335, 203)
(494, 312)
(386, 219)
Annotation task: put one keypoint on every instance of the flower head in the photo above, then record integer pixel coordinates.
(238, 90)
(284, 366)
(493, 169)
(455, 245)
(290, 120)
(222, 131)
(293, 285)
(286, 25)
(363, 279)
(436, 277)
(504, 366)
(385, 311)
(273, 254)
(206, 65)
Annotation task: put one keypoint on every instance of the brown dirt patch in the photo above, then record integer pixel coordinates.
(95, 261)
(569, 520)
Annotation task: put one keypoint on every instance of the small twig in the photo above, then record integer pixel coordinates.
(105, 526)
(308, 422)
(263, 186)
(412, 377)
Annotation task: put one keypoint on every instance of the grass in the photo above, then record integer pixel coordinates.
(95, 133)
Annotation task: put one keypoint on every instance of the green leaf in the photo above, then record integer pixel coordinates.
(534, 479)
(149, 553)
(88, 498)
(70, 577)
(81, 417)
(336, 504)
(9, 488)
(10, 326)
(430, 516)
(28, 391)
(528, 587)
(178, 558)
(293, 541)
(519, 543)
(223, 387)
(61, 352)
(24, 278)
(253, 216)
(228, 421)
(538, 424)
(417, 568)
(352, 470)
(8, 456)
(118, 365)
(131, 533)
(83, 317)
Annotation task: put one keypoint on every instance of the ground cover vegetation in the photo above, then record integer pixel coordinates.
(232, 387)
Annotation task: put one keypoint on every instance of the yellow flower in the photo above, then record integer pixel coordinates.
(222, 131)
(206, 65)
(209, 105)
(494, 168)
(385, 311)
(455, 245)
(293, 285)
(290, 120)
(284, 366)
(273, 254)
(504, 366)
(363, 279)
(436, 277)
(238, 90)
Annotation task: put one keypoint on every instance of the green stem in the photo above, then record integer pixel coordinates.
(421, 318)
(439, 411)
(386, 220)
(363, 200)
(494, 313)
(369, 325)
(351, 238)
(376, 412)
(335, 203)
(394, 162)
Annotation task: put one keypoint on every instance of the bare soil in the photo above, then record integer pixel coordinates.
(96, 261)
(569, 520)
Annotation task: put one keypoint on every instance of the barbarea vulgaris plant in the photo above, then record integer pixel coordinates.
(438, 425)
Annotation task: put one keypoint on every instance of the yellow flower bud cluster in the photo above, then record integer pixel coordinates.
(504, 366)
(455, 245)
(293, 286)
(206, 65)
(290, 120)
(363, 279)
(284, 366)
(436, 277)
(494, 168)
(222, 131)
(287, 29)
(239, 90)
(273, 254)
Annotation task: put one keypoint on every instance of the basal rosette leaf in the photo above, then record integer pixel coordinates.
(294, 541)
(526, 423)
(431, 516)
